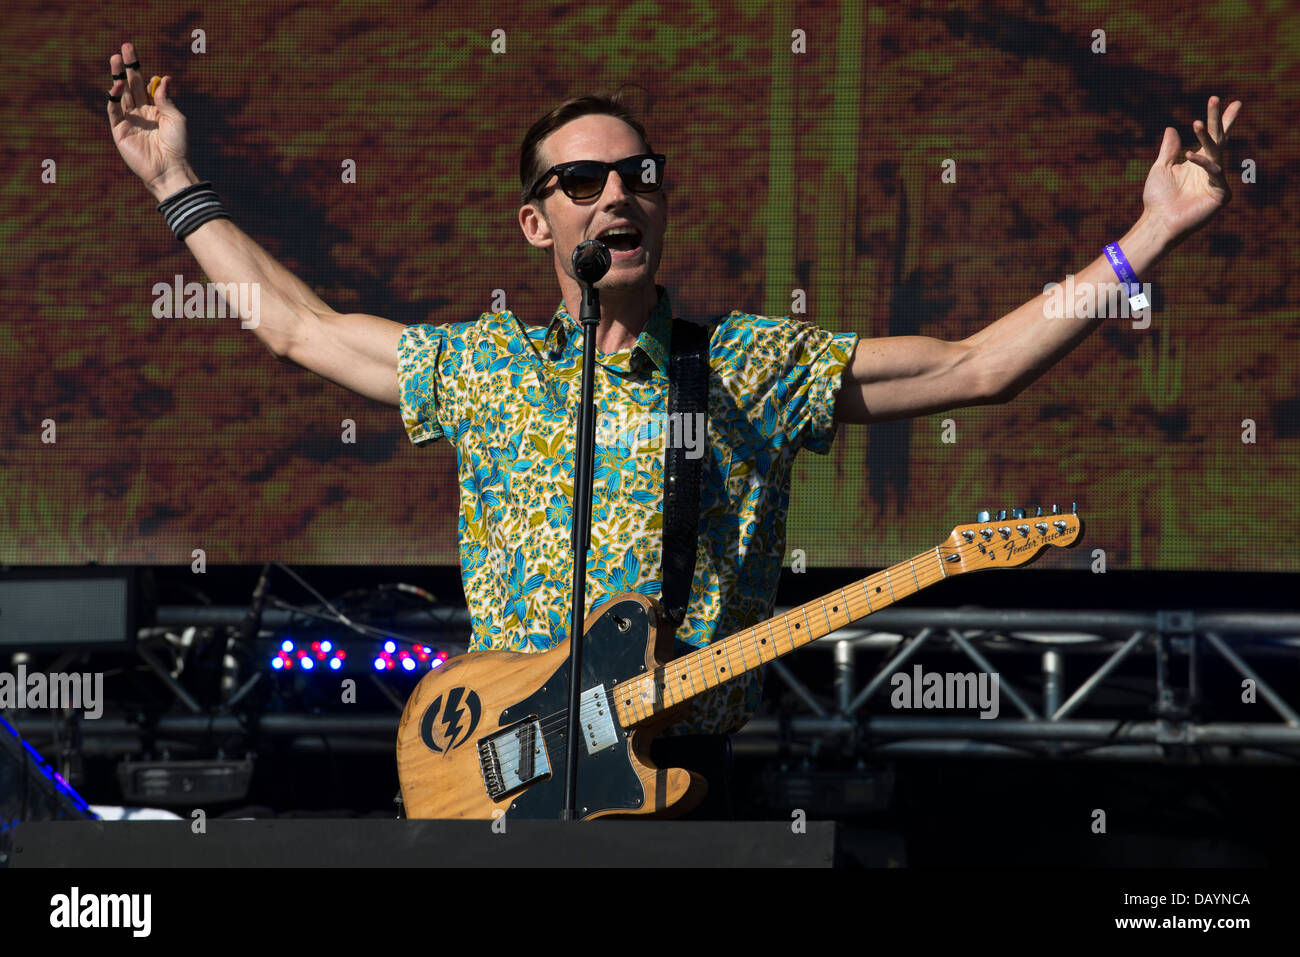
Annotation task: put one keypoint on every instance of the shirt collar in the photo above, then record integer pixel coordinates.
(651, 345)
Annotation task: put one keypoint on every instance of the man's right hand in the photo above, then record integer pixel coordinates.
(357, 351)
(150, 136)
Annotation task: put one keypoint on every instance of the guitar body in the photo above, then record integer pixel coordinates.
(487, 731)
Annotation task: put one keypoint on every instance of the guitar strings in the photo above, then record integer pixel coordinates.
(556, 720)
(552, 722)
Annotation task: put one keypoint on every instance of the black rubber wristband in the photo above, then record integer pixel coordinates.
(199, 219)
(188, 209)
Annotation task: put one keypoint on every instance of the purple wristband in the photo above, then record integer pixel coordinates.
(1118, 262)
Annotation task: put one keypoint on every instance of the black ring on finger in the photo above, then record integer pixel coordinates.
(133, 66)
(119, 76)
(114, 99)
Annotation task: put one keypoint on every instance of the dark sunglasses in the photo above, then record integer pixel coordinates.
(585, 179)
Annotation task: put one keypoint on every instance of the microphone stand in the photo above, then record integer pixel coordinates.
(591, 261)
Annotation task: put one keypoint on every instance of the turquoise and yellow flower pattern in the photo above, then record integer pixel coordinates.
(506, 396)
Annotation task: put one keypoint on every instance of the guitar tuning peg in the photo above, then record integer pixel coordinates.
(1074, 508)
(982, 516)
(1055, 510)
(1002, 515)
(1038, 512)
(1017, 513)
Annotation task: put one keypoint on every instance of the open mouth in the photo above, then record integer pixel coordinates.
(623, 241)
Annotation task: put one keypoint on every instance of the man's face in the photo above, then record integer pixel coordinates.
(566, 222)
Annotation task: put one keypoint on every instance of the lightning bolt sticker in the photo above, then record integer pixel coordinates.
(454, 731)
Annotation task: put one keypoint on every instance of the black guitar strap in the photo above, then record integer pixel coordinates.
(688, 395)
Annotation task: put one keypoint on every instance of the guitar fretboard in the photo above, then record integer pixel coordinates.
(641, 698)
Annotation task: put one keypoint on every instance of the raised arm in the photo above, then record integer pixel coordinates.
(356, 351)
(902, 376)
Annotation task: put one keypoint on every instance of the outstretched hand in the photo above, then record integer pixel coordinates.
(150, 136)
(1184, 192)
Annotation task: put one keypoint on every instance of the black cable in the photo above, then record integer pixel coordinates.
(301, 581)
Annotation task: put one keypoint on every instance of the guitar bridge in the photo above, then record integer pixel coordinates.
(513, 757)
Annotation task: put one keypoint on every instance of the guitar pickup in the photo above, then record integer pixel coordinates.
(513, 757)
(597, 717)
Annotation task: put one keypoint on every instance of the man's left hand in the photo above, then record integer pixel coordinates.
(1183, 193)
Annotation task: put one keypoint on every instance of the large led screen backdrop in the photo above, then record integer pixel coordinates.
(807, 148)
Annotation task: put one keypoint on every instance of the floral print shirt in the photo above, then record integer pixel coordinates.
(506, 395)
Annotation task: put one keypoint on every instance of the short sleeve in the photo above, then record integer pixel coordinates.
(420, 353)
(788, 371)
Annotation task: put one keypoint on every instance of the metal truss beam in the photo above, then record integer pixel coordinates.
(1160, 638)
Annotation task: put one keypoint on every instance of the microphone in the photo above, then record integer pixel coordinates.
(591, 261)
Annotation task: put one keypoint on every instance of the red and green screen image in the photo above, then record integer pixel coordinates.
(894, 169)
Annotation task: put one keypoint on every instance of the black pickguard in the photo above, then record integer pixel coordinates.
(607, 779)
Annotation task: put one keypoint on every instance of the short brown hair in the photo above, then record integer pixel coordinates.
(530, 158)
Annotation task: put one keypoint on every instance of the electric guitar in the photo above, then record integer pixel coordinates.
(485, 733)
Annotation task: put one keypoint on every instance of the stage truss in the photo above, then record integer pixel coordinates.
(849, 715)
(1174, 647)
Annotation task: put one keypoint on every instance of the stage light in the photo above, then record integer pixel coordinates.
(324, 654)
(389, 656)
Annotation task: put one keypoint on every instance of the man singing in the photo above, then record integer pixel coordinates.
(506, 394)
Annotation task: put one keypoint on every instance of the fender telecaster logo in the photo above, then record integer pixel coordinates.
(459, 719)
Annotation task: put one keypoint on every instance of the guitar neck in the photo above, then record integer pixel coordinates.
(641, 698)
